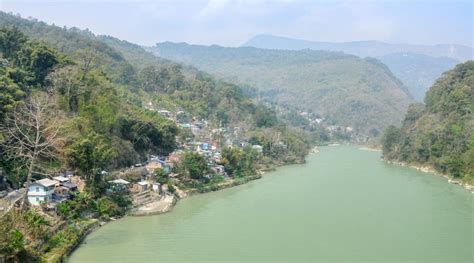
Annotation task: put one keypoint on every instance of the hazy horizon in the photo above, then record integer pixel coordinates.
(233, 22)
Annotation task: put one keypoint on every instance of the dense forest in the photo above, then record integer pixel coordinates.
(440, 132)
(344, 89)
(70, 100)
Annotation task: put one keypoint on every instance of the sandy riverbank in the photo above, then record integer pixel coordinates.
(162, 205)
(366, 148)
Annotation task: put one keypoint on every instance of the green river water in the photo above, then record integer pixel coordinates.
(343, 205)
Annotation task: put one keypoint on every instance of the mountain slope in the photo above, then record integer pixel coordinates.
(440, 134)
(362, 48)
(345, 89)
(112, 87)
(417, 66)
(417, 72)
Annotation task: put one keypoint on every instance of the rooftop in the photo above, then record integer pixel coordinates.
(119, 181)
(61, 178)
(46, 182)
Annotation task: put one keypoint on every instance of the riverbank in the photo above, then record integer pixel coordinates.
(431, 170)
(166, 204)
(163, 205)
(370, 149)
(157, 207)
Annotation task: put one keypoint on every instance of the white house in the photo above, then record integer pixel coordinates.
(257, 148)
(41, 191)
(142, 185)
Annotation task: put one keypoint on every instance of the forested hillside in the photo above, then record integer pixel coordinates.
(417, 72)
(439, 133)
(101, 89)
(417, 66)
(73, 101)
(344, 89)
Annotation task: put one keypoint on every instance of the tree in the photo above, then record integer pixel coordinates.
(239, 162)
(88, 60)
(11, 40)
(65, 81)
(161, 176)
(10, 95)
(38, 59)
(32, 135)
(193, 166)
(265, 117)
(11, 239)
(155, 134)
(91, 155)
(390, 139)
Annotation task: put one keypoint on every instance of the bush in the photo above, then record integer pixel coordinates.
(107, 208)
(171, 188)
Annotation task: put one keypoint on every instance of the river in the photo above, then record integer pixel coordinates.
(343, 205)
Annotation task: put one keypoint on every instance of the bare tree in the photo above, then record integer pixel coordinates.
(31, 135)
(88, 60)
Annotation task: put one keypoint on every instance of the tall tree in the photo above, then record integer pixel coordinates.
(11, 40)
(90, 155)
(31, 135)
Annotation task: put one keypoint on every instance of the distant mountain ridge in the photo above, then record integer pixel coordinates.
(417, 66)
(345, 89)
(369, 48)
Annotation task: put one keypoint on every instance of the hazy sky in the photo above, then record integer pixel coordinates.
(232, 22)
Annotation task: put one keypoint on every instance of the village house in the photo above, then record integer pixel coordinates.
(142, 186)
(156, 187)
(165, 114)
(41, 191)
(61, 179)
(152, 166)
(63, 188)
(174, 157)
(257, 148)
(118, 185)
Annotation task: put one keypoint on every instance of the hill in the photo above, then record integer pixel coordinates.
(441, 132)
(344, 89)
(418, 72)
(362, 48)
(94, 106)
(417, 66)
(110, 72)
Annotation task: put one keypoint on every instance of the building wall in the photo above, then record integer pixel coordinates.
(36, 200)
(38, 193)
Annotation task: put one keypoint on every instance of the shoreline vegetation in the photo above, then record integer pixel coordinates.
(439, 134)
(431, 170)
